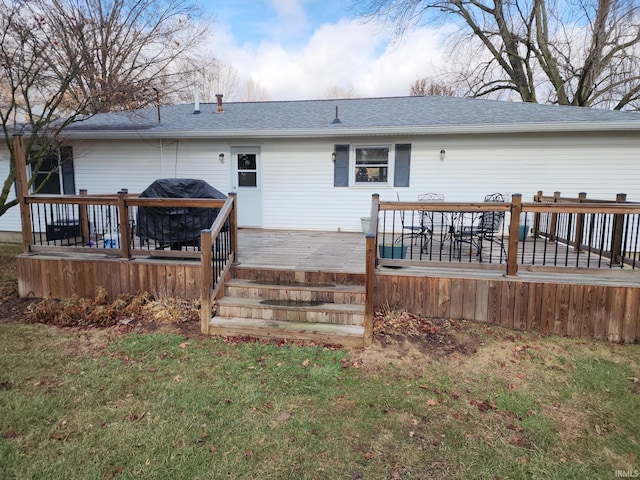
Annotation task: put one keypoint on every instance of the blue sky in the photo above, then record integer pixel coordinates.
(287, 21)
(299, 49)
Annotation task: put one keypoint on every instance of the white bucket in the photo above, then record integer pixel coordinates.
(364, 222)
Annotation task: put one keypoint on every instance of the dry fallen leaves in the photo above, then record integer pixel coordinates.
(284, 417)
(483, 406)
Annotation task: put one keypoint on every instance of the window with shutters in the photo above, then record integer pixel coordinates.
(362, 165)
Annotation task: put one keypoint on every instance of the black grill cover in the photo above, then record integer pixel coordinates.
(177, 225)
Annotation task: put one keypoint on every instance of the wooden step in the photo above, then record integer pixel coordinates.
(345, 294)
(334, 313)
(346, 335)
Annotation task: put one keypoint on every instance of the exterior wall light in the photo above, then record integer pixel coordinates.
(442, 154)
(221, 157)
(333, 157)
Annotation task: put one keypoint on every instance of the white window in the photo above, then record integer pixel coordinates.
(372, 165)
(56, 174)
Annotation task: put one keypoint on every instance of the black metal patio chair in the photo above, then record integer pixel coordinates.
(488, 228)
(422, 232)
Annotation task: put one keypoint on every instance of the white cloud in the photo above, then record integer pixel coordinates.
(289, 23)
(345, 53)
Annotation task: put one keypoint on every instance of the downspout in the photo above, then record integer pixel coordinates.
(161, 159)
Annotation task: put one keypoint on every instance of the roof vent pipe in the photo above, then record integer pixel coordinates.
(219, 98)
(196, 102)
(157, 102)
(336, 120)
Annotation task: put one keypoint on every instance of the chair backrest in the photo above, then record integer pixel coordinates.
(431, 197)
(491, 222)
(494, 197)
(432, 220)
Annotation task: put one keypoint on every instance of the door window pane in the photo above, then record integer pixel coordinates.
(247, 170)
(247, 179)
(246, 161)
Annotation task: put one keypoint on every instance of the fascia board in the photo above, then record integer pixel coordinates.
(356, 132)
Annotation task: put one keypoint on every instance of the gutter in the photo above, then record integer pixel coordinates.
(341, 131)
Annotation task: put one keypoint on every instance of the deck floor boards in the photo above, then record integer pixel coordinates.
(345, 252)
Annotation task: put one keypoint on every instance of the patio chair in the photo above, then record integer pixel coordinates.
(423, 231)
(439, 224)
(488, 228)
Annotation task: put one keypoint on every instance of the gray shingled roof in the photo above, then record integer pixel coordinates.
(367, 116)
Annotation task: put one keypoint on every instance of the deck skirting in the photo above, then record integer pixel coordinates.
(41, 276)
(600, 311)
(559, 304)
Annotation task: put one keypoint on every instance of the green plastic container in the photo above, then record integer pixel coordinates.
(523, 232)
(392, 251)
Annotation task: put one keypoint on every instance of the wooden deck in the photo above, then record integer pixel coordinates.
(603, 304)
(517, 293)
(345, 252)
(302, 250)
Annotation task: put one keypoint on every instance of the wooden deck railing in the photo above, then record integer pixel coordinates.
(219, 251)
(113, 225)
(370, 266)
(576, 234)
(106, 225)
(607, 233)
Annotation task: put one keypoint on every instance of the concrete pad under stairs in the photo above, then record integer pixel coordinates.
(321, 313)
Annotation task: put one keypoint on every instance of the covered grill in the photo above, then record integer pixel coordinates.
(176, 226)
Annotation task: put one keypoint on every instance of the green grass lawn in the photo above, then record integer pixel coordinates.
(471, 401)
(102, 403)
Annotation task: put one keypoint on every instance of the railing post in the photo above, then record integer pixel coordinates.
(123, 209)
(206, 279)
(618, 224)
(20, 159)
(371, 260)
(84, 218)
(536, 216)
(582, 196)
(514, 224)
(233, 227)
(554, 220)
(373, 218)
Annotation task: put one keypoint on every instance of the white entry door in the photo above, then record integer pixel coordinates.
(247, 183)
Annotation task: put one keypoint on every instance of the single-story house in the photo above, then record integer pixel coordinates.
(313, 165)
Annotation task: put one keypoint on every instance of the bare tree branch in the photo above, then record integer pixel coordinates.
(60, 59)
(574, 52)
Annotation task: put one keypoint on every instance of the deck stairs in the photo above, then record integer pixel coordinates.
(324, 313)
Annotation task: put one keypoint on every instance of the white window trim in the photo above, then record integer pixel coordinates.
(390, 166)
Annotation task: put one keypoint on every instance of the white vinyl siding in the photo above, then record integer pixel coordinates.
(298, 174)
(10, 221)
(107, 167)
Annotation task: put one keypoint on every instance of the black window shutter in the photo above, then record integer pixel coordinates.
(402, 166)
(68, 176)
(341, 166)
